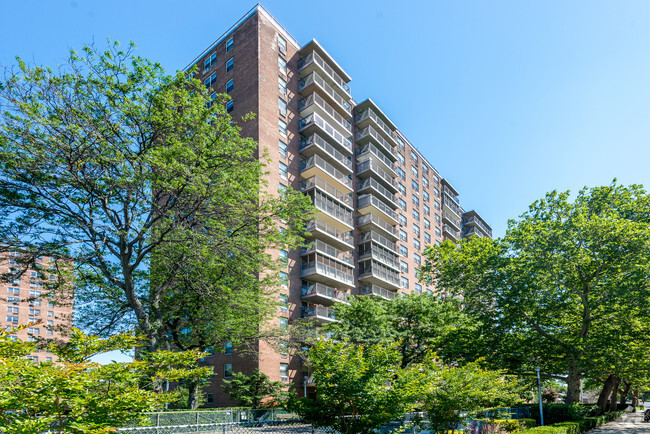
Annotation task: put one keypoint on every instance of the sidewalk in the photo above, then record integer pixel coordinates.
(629, 423)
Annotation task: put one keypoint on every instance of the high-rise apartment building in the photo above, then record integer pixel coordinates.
(379, 200)
(29, 302)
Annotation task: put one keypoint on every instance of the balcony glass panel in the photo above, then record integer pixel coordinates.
(338, 138)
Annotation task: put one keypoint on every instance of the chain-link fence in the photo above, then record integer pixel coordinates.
(289, 426)
(180, 418)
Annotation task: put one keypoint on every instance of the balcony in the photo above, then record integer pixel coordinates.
(339, 239)
(316, 144)
(383, 241)
(315, 123)
(369, 134)
(323, 294)
(332, 213)
(319, 183)
(368, 167)
(368, 116)
(377, 291)
(334, 253)
(471, 231)
(373, 272)
(318, 314)
(372, 221)
(449, 232)
(451, 219)
(379, 254)
(367, 203)
(322, 269)
(314, 101)
(313, 61)
(477, 222)
(316, 165)
(452, 206)
(369, 185)
(314, 80)
(371, 150)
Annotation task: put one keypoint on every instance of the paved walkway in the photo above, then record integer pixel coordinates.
(629, 423)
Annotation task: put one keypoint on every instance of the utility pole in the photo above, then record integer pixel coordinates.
(539, 391)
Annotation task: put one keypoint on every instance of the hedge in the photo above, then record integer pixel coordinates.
(510, 425)
(574, 427)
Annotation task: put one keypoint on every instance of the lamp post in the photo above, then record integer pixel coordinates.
(539, 391)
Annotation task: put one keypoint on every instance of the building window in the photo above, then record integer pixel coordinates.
(414, 156)
(403, 251)
(427, 238)
(400, 142)
(401, 173)
(416, 214)
(416, 244)
(283, 348)
(427, 224)
(425, 195)
(418, 288)
(284, 372)
(282, 125)
(425, 168)
(436, 192)
(227, 370)
(50, 323)
(401, 158)
(209, 62)
(404, 282)
(283, 149)
(437, 231)
(227, 347)
(282, 85)
(282, 65)
(12, 319)
(403, 236)
(210, 80)
(404, 266)
(50, 314)
(401, 188)
(283, 171)
(283, 107)
(230, 106)
(284, 257)
(15, 291)
(427, 210)
(35, 312)
(402, 220)
(48, 359)
(13, 300)
(282, 45)
(436, 179)
(436, 205)
(284, 280)
(35, 303)
(284, 303)
(414, 170)
(416, 200)
(34, 331)
(437, 218)
(49, 332)
(415, 185)
(230, 64)
(12, 309)
(417, 259)
(230, 85)
(284, 324)
(230, 43)
(416, 230)
(425, 182)
(402, 204)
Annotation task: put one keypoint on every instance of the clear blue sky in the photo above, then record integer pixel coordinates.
(508, 99)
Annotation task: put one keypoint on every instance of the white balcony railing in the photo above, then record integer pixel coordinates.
(315, 57)
(322, 144)
(337, 137)
(314, 77)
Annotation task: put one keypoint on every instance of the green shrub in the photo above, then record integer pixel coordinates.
(527, 423)
(508, 425)
(548, 429)
(572, 427)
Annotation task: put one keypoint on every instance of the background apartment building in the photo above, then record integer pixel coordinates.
(379, 201)
(29, 302)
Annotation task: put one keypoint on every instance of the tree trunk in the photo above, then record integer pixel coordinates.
(573, 384)
(605, 392)
(635, 398)
(613, 399)
(194, 390)
(624, 393)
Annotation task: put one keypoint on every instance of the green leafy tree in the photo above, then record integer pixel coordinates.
(552, 291)
(359, 388)
(447, 392)
(253, 390)
(76, 395)
(143, 180)
(416, 323)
